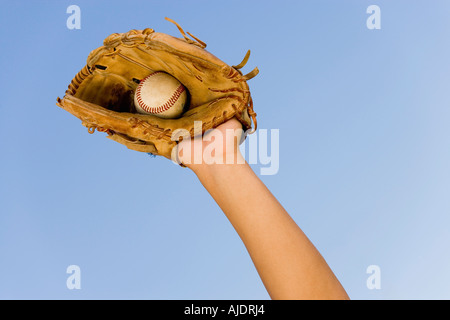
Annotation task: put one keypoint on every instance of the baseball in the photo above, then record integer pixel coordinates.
(161, 95)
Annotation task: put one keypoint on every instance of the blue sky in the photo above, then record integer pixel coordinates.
(364, 152)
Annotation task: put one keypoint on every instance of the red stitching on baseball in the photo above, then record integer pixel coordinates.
(164, 107)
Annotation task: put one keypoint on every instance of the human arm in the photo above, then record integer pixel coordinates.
(287, 262)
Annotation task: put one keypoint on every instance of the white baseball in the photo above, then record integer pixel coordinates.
(160, 94)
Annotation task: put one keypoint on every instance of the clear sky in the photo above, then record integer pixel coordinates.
(364, 152)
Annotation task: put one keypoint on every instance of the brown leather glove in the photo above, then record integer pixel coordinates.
(102, 93)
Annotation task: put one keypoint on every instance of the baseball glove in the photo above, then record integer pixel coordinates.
(102, 94)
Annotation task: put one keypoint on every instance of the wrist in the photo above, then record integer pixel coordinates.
(216, 163)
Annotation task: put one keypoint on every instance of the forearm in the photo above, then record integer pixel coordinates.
(287, 262)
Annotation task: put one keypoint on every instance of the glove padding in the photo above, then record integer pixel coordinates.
(102, 94)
